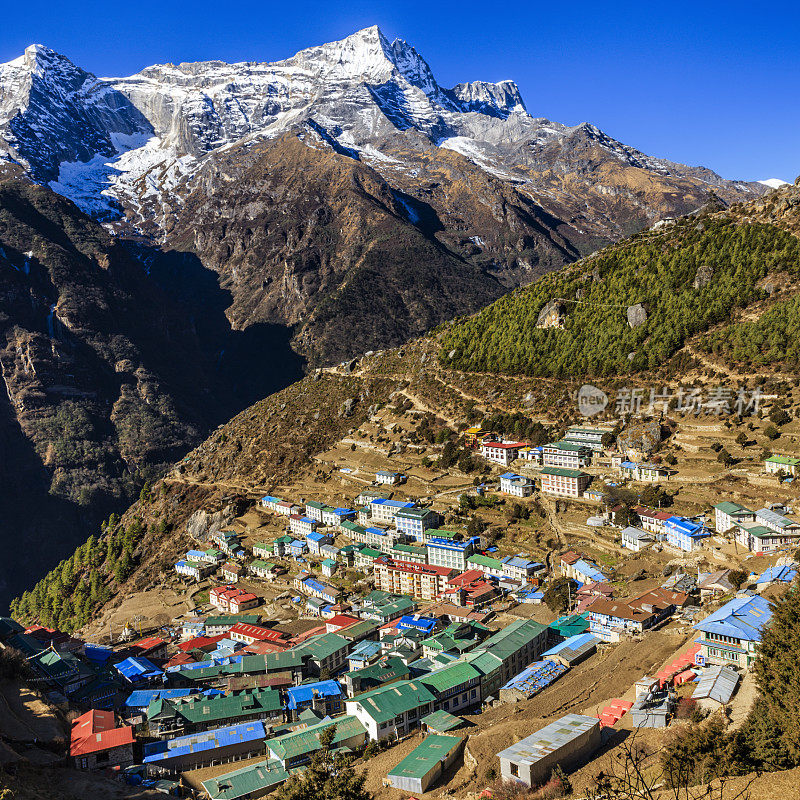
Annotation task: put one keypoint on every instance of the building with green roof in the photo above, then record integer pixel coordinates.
(516, 646)
(786, 464)
(249, 782)
(441, 722)
(393, 710)
(424, 765)
(222, 623)
(296, 748)
(455, 688)
(193, 713)
(326, 653)
(386, 612)
(387, 670)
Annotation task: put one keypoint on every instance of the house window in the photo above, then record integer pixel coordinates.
(84, 763)
(514, 770)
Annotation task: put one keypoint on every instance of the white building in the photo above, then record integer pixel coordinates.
(516, 485)
(501, 452)
(566, 454)
(727, 515)
(563, 482)
(635, 538)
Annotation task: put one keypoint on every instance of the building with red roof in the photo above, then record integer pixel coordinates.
(340, 621)
(204, 643)
(249, 634)
(96, 742)
(150, 647)
(230, 598)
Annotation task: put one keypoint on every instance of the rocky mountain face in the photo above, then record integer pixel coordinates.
(108, 375)
(500, 196)
(179, 243)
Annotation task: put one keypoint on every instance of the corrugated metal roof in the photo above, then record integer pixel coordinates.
(246, 782)
(716, 683)
(208, 740)
(741, 618)
(426, 756)
(549, 739)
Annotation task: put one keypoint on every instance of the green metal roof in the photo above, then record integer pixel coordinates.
(564, 445)
(323, 646)
(563, 472)
(433, 749)
(360, 629)
(441, 721)
(788, 460)
(727, 507)
(390, 701)
(306, 741)
(227, 707)
(485, 561)
(384, 671)
(246, 782)
(513, 637)
(233, 619)
(444, 680)
(414, 513)
(442, 534)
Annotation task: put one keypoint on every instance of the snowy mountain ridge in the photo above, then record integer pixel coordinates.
(117, 145)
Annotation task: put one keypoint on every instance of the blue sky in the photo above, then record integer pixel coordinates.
(706, 82)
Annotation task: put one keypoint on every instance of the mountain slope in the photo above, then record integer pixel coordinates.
(505, 193)
(106, 377)
(632, 306)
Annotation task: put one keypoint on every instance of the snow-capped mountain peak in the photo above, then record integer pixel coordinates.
(111, 143)
(774, 183)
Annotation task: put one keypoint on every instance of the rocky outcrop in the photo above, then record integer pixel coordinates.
(705, 272)
(637, 315)
(552, 315)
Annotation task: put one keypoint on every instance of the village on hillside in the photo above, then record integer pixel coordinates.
(447, 654)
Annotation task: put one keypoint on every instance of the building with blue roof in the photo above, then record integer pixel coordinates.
(450, 553)
(315, 540)
(364, 654)
(325, 697)
(685, 534)
(587, 572)
(572, 650)
(382, 510)
(139, 699)
(172, 756)
(417, 622)
(516, 485)
(531, 681)
(296, 547)
(302, 526)
(197, 570)
(730, 636)
(139, 671)
(785, 573)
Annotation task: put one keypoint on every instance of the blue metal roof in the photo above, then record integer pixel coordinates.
(306, 519)
(196, 553)
(589, 571)
(307, 692)
(683, 525)
(420, 623)
(535, 677)
(137, 667)
(316, 536)
(783, 574)
(208, 740)
(141, 698)
(448, 544)
(742, 618)
(365, 649)
(377, 531)
(270, 499)
(572, 643)
(343, 511)
(392, 503)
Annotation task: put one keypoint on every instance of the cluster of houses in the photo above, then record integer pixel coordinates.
(411, 655)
